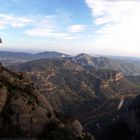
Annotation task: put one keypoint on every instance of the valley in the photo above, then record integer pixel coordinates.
(84, 88)
(95, 96)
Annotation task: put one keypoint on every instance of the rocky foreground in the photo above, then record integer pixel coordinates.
(25, 113)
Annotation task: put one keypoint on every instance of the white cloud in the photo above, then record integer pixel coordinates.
(119, 28)
(50, 27)
(77, 28)
(40, 25)
(44, 32)
(49, 34)
(9, 20)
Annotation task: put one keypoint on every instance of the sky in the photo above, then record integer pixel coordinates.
(104, 27)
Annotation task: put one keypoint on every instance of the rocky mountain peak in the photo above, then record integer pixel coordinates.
(83, 55)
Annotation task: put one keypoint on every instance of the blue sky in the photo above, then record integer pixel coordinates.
(71, 26)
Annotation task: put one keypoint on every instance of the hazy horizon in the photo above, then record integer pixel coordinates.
(99, 27)
(75, 54)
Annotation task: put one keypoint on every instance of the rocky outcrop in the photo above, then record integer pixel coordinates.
(109, 77)
(104, 84)
(21, 104)
(119, 76)
(3, 97)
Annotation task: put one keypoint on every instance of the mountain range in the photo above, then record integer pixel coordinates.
(26, 56)
(93, 96)
(127, 66)
(101, 93)
(11, 58)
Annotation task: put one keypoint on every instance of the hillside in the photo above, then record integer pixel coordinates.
(127, 67)
(73, 83)
(26, 113)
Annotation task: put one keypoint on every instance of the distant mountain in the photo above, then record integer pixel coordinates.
(11, 58)
(26, 56)
(50, 55)
(15, 55)
(127, 67)
(125, 58)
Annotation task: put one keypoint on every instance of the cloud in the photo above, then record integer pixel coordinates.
(44, 32)
(77, 28)
(50, 27)
(49, 33)
(9, 20)
(118, 25)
